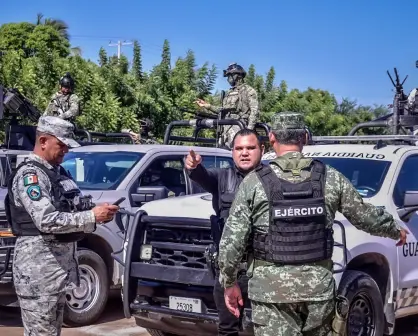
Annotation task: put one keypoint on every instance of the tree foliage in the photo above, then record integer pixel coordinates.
(117, 93)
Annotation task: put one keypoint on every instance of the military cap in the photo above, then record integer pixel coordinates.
(287, 121)
(59, 128)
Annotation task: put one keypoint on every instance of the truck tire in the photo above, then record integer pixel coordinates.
(154, 332)
(86, 303)
(366, 315)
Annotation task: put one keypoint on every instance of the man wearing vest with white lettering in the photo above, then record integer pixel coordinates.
(285, 211)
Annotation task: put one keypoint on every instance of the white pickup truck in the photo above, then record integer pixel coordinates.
(165, 261)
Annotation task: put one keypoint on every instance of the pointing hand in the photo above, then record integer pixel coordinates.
(193, 160)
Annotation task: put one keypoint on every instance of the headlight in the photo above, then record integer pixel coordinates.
(146, 252)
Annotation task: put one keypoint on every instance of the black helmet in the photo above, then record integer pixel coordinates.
(147, 123)
(234, 68)
(67, 81)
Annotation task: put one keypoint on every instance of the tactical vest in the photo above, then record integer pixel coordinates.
(229, 186)
(64, 196)
(297, 231)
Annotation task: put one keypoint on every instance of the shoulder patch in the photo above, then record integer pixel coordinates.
(29, 179)
(34, 192)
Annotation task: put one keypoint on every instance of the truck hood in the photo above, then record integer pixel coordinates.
(196, 206)
(193, 206)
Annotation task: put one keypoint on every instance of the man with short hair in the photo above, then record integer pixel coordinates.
(222, 183)
(286, 211)
(48, 214)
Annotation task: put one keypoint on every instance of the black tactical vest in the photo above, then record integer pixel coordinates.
(297, 232)
(228, 188)
(64, 194)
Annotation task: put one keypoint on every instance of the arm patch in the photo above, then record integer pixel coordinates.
(29, 179)
(34, 192)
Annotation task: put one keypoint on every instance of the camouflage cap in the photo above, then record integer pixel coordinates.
(59, 128)
(286, 121)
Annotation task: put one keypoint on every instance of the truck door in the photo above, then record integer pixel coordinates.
(407, 179)
(163, 171)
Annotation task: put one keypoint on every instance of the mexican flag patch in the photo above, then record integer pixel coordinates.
(30, 179)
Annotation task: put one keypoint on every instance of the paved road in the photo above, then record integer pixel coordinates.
(113, 323)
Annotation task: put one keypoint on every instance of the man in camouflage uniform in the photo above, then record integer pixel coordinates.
(240, 102)
(48, 215)
(292, 298)
(145, 136)
(64, 104)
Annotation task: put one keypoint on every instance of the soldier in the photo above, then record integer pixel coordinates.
(145, 136)
(240, 102)
(291, 285)
(64, 104)
(222, 183)
(48, 215)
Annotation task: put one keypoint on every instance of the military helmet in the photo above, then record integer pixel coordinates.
(235, 68)
(146, 122)
(67, 81)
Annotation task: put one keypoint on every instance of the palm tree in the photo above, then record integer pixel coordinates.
(60, 26)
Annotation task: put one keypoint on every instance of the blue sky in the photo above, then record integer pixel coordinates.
(341, 46)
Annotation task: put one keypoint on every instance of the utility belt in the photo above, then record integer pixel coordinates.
(263, 263)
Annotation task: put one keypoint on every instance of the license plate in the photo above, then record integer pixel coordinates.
(186, 304)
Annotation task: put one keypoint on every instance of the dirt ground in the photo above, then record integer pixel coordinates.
(113, 323)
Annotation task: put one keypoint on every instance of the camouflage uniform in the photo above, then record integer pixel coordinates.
(243, 101)
(65, 106)
(139, 139)
(292, 300)
(44, 269)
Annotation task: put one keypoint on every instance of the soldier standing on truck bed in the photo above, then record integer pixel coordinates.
(289, 208)
(240, 102)
(222, 183)
(145, 136)
(64, 104)
(48, 215)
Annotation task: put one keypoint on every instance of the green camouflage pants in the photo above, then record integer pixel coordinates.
(293, 319)
(227, 136)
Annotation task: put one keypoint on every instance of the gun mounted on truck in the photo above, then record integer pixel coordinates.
(403, 118)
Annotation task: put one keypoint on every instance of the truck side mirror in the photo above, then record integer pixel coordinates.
(410, 205)
(147, 194)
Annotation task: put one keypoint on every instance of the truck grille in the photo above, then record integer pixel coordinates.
(178, 246)
(4, 242)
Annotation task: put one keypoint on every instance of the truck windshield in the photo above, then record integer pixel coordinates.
(366, 175)
(100, 170)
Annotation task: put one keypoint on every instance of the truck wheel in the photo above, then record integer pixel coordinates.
(154, 332)
(366, 316)
(86, 303)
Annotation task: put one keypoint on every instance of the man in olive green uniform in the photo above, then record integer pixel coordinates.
(289, 207)
(240, 102)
